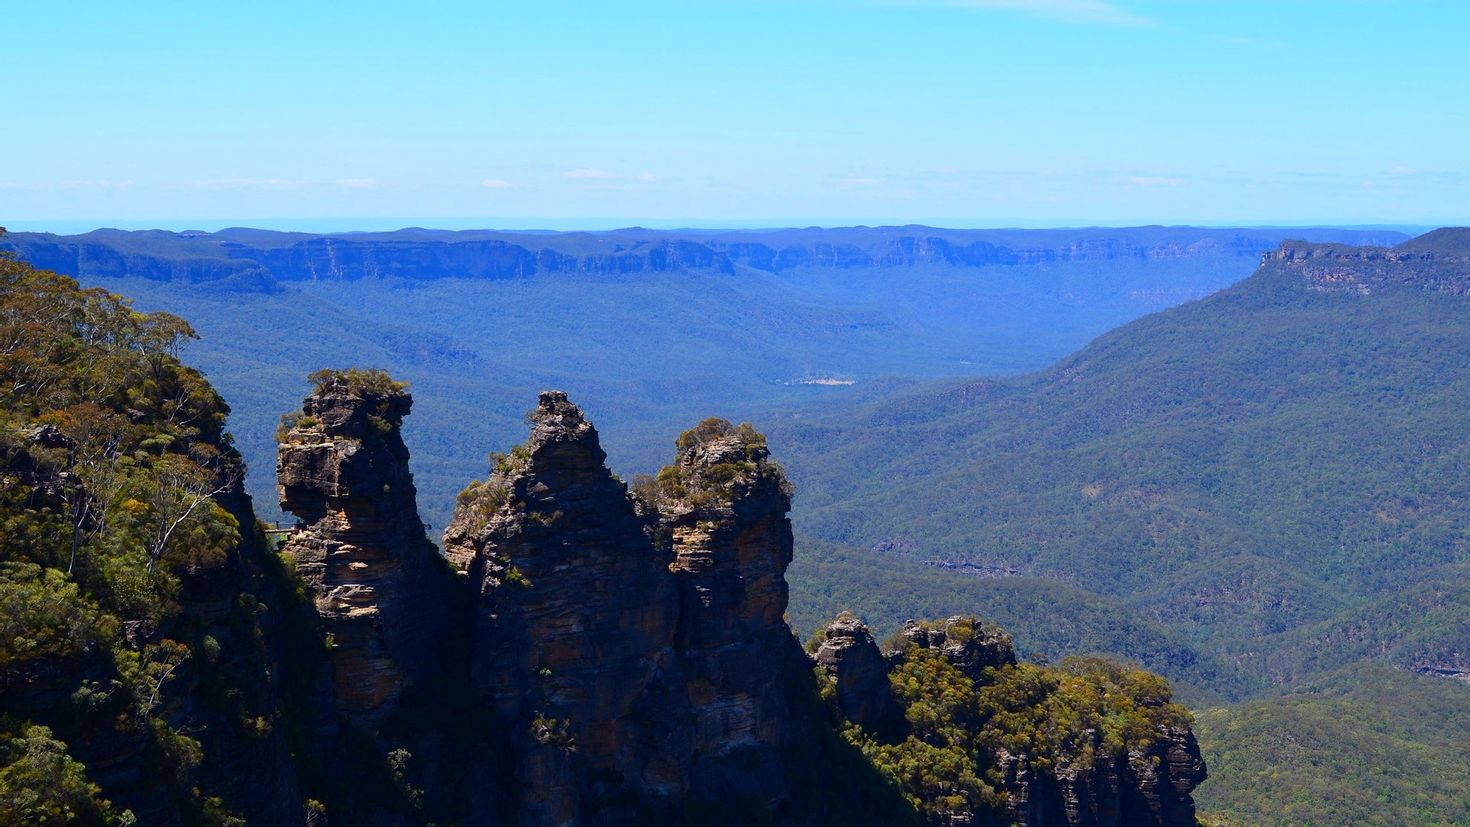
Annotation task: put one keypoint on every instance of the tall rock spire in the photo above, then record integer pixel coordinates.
(574, 620)
(374, 577)
(721, 511)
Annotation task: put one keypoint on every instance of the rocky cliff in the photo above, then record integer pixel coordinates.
(377, 582)
(1099, 745)
(1436, 262)
(634, 650)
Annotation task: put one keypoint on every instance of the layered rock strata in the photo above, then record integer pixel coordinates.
(376, 580)
(1148, 788)
(635, 649)
(574, 622)
(721, 509)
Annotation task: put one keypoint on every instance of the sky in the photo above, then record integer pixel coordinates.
(367, 115)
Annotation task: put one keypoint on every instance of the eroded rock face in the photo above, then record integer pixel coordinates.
(722, 510)
(1437, 262)
(635, 649)
(575, 615)
(374, 577)
(1149, 788)
(857, 668)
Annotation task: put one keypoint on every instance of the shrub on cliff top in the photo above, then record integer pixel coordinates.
(715, 428)
(356, 381)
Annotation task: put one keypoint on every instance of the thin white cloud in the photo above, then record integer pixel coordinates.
(248, 184)
(358, 183)
(587, 175)
(1071, 11)
(861, 181)
(1155, 181)
(495, 184)
(604, 179)
(96, 184)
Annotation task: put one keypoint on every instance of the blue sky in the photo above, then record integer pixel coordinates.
(334, 115)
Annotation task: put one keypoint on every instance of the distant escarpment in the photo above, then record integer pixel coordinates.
(1437, 261)
(242, 259)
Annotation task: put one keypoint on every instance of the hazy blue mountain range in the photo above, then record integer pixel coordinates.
(649, 329)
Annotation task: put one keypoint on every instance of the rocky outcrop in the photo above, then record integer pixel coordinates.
(968, 643)
(1437, 262)
(635, 650)
(377, 582)
(852, 661)
(1147, 788)
(574, 623)
(1087, 784)
(721, 508)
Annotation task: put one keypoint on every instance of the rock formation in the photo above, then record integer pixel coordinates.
(627, 650)
(968, 643)
(634, 650)
(376, 580)
(852, 661)
(574, 620)
(721, 508)
(1436, 262)
(1146, 784)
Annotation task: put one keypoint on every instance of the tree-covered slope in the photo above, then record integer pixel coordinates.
(1370, 747)
(1264, 459)
(137, 658)
(1277, 477)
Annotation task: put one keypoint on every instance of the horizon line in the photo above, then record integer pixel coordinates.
(341, 224)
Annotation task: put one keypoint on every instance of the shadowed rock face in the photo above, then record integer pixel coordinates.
(853, 662)
(635, 649)
(1145, 788)
(574, 620)
(722, 510)
(342, 469)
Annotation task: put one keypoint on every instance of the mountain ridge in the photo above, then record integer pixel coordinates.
(248, 259)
